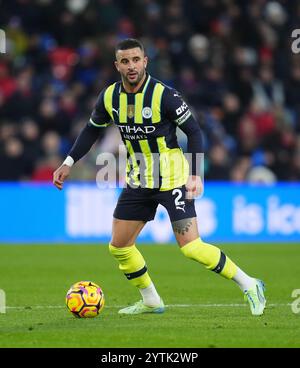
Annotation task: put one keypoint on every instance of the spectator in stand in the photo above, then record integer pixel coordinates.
(218, 164)
(13, 165)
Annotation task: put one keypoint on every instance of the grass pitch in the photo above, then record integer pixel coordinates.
(204, 310)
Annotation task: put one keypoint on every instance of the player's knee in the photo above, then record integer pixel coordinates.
(121, 242)
(118, 240)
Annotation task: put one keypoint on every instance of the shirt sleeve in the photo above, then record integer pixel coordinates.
(100, 118)
(177, 111)
(175, 108)
(87, 137)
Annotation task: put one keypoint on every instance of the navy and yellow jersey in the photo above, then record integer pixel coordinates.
(147, 121)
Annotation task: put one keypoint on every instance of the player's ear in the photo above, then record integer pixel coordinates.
(117, 66)
(145, 61)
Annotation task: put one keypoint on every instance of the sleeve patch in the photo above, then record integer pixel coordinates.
(183, 118)
(181, 108)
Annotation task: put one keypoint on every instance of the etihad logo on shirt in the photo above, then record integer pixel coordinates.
(136, 132)
(137, 129)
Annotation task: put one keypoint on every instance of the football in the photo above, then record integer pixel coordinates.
(85, 299)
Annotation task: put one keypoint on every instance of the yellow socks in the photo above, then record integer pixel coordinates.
(211, 257)
(132, 264)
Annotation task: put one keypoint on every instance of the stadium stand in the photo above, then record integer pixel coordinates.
(231, 60)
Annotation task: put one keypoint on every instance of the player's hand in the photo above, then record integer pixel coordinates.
(60, 175)
(194, 187)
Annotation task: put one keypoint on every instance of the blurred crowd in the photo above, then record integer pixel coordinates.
(231, 60)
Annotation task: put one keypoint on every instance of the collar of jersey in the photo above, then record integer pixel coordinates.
(142, 89)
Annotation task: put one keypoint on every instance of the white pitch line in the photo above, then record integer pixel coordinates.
(168, 305)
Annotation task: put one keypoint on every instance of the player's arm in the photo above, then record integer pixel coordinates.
(179, 112)
(192, 129)
(92, 131)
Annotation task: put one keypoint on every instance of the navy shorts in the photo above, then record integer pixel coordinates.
(140, 204)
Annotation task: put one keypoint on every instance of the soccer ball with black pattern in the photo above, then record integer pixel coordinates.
(85, 299)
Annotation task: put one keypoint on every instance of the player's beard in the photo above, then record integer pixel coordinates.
(140, 76)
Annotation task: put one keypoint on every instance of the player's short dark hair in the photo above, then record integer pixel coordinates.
(129, 43)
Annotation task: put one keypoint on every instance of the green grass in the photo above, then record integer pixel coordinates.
(36, 278)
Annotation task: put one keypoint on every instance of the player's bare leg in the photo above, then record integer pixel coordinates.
(125, 232)
(191, 245)
(132, 264)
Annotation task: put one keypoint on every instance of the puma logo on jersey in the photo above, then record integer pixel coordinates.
(181, 208)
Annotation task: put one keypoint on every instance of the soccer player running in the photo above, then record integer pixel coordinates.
(147, 113)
